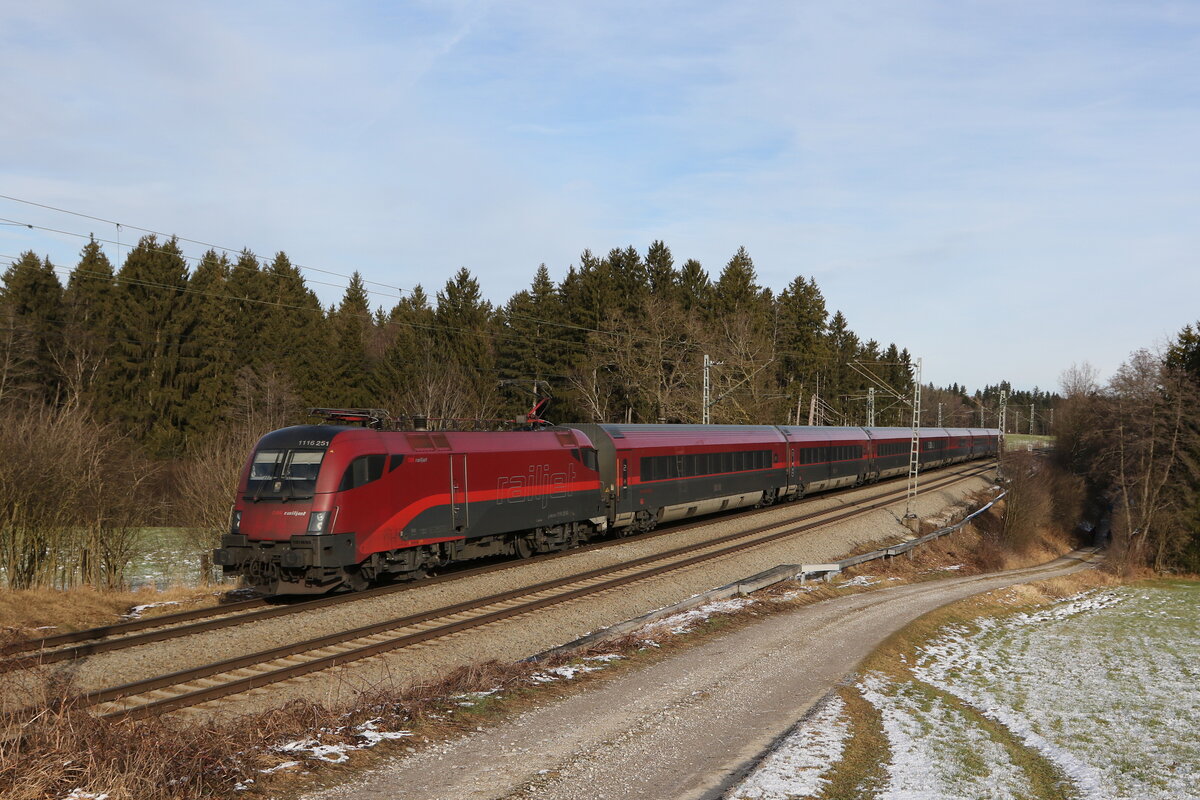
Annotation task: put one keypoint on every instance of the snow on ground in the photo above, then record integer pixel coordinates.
(566, 672)
(684, 621)
(796, 768)
(938, 752)
(137, 611)
(1103, 685)
(338, 752)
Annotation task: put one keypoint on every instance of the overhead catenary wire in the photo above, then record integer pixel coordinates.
(198, 259)
(693, 347)
(687, 346)
(696, 348)
(175, 236)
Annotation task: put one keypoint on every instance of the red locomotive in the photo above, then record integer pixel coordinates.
(321, 507)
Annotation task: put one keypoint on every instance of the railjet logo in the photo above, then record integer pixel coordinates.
(540, 485)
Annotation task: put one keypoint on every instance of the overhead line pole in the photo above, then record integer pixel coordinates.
(914, 458)
(705, 416)
(1000, 438)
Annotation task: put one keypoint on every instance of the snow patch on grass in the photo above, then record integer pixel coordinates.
(335, 752)
(938, 753)
(685, 621)
(797, 767)
(1105, 685)
(861, 580)
(137, 611)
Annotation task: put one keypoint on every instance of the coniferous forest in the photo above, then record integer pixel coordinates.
(136, 390)
(171, 353)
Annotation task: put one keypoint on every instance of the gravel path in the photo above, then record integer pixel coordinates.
(689, 726)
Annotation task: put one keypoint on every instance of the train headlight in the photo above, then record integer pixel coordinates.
(317, 520)
(235, 522)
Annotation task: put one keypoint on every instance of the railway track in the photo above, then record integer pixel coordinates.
(232, 676)
(132, 633)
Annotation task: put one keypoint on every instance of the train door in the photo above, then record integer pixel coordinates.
(624, 496)
(458, 492)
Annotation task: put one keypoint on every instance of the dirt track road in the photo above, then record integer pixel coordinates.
(687, 727)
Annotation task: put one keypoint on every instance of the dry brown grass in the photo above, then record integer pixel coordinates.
(24, 611)
(862, 772)
(893, 659)
(973, 549)
(58, 748)
(174, 758)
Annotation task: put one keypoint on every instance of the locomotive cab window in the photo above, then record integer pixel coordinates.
(362, 470)
(284, 474)
(266, 464)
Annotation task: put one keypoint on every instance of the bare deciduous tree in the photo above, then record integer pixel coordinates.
(1140, 429)
(71, 499)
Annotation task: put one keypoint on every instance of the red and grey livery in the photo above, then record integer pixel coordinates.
(321, 507)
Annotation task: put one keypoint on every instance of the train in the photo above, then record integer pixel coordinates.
(349, 502)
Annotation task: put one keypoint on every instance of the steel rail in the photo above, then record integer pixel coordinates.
(239, 685)
(219, 617)
(129, 626)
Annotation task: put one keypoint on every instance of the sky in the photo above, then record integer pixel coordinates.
(1005, 188)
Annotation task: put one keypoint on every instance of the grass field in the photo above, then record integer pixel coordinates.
(1023, 441)
(1094, 697)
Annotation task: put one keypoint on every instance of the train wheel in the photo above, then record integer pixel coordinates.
(524, 547)
(644, 522)
(768, 499)
(355, 579)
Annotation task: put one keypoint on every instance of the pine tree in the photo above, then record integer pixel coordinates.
(588, 295)
(533, 342)
(142, 375)
(464, 332)
(737, 290)
(207, 354)
(410, 345)
(87, 326)
(248, 289)
(843, 345)
(896, 372)
(660, 272)
(32, 338)
(802, 335)
(352, 327)
(295, 337)
(627, 281)
(90, 288)
(695, 288)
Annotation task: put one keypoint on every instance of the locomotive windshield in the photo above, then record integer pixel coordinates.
(284, 474)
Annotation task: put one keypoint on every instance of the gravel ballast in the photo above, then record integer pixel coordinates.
(521, 637)
(529, 634)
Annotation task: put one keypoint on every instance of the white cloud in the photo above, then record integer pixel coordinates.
(927, 163)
